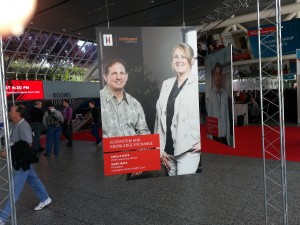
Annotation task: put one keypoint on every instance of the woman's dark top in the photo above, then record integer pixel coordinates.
(169, 148)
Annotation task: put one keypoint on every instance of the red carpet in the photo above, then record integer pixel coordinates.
(84, 136)
(80, 136)
(247, 142)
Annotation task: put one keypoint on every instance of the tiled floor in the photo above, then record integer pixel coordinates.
(229, 191)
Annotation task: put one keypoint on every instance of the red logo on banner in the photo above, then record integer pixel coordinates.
(129, 154)
(24, 90)
(107, 40)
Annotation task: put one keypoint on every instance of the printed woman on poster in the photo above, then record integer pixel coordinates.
(177, 115)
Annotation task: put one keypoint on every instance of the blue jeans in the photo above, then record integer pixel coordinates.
(20, 177)
(95, 132)
(36, 129)
(53, 137)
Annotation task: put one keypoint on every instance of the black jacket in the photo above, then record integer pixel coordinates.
(96, 115)
(22, 156)
(36, 115)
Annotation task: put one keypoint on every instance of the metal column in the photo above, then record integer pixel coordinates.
(272, 117)
(6, 170)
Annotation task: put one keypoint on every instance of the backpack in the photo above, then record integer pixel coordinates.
(52, 120)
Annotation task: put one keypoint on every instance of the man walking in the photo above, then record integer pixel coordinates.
(68, 126)
(36, 123)
(96, 121)
(53, 120)
(21, 130)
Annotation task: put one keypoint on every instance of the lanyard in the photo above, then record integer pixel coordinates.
(219, 99)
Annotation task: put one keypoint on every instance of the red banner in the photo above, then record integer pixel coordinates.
(212, 126)
(131, 162)
(116, 144)
(130, 154)
(263, 31)
(24, 90)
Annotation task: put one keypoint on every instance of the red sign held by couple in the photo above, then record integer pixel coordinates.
(130, 154)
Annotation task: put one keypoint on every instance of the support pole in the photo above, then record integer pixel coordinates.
(272, 119)
(10, 195)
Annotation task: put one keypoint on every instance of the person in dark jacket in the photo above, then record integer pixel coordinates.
(53, 120)
(96, 122)
(68, 126)
(21, 130)
(36, 122)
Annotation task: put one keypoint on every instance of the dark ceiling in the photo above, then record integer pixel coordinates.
(79, 18)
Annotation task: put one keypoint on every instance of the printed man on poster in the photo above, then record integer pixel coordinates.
(122, 114)
(219, 97)
(218, 106)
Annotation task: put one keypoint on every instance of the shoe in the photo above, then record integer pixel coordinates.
(46, 154)
(43, 204)
(99, 143)
(69, 144)
(41, 149)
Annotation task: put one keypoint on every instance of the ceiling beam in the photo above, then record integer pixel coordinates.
(250, 61)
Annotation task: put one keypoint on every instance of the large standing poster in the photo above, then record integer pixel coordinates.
(218, 91)
(149, 100)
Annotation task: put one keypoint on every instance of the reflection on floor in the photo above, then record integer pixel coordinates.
(228, 191)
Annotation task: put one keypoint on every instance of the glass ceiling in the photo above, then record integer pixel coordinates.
(42, 55)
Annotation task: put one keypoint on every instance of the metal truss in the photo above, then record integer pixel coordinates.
(272, 121)
(6, 171)
(222, 13)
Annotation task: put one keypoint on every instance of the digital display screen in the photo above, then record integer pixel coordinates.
(24, 90)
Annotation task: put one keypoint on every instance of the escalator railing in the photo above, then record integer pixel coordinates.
(81, 121)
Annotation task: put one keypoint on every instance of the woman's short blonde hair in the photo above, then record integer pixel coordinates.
(188, 51)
